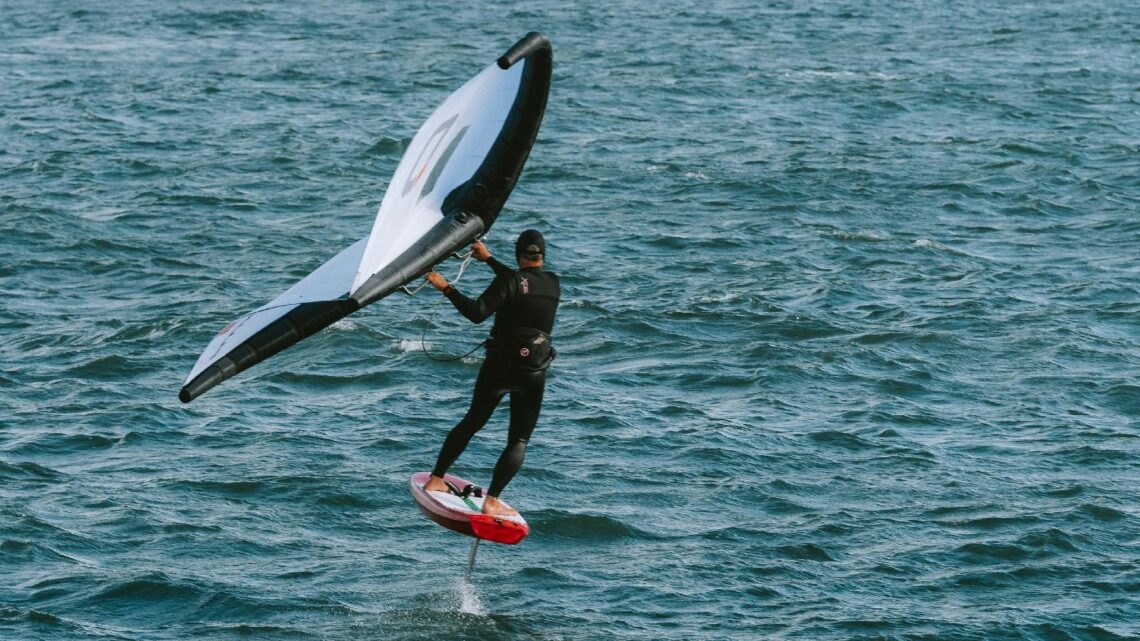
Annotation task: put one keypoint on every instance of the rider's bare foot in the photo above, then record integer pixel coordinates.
(435, 484)
(492, 506)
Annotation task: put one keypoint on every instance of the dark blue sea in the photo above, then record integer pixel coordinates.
(849, 345)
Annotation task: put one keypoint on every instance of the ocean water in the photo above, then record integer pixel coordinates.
(849, 344)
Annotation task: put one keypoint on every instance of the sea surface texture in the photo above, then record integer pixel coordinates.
(849, 345)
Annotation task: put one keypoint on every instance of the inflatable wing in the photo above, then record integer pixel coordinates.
(447, 191)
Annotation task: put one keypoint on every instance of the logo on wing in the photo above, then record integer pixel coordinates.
(435, 155)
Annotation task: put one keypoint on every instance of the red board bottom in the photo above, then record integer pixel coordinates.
(498, 530)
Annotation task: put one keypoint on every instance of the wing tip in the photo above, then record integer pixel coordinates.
(203, 382)
(530, 44)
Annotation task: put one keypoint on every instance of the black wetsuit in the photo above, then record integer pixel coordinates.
(524, 303)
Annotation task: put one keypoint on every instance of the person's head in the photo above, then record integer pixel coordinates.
(530, 248)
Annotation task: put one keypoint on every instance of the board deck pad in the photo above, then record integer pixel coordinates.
(464, 514)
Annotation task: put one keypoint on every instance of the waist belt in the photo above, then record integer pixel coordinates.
(525, 348)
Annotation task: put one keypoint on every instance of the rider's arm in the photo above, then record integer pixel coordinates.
(500, 269)
(477, 310)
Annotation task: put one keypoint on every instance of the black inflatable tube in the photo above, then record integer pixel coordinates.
(303, 321)
(487, 191)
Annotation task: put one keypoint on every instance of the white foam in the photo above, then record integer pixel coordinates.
(811, 74)
(469, 601)
(863, 235)
(721, 298)
(925, 242)
(406, 345)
